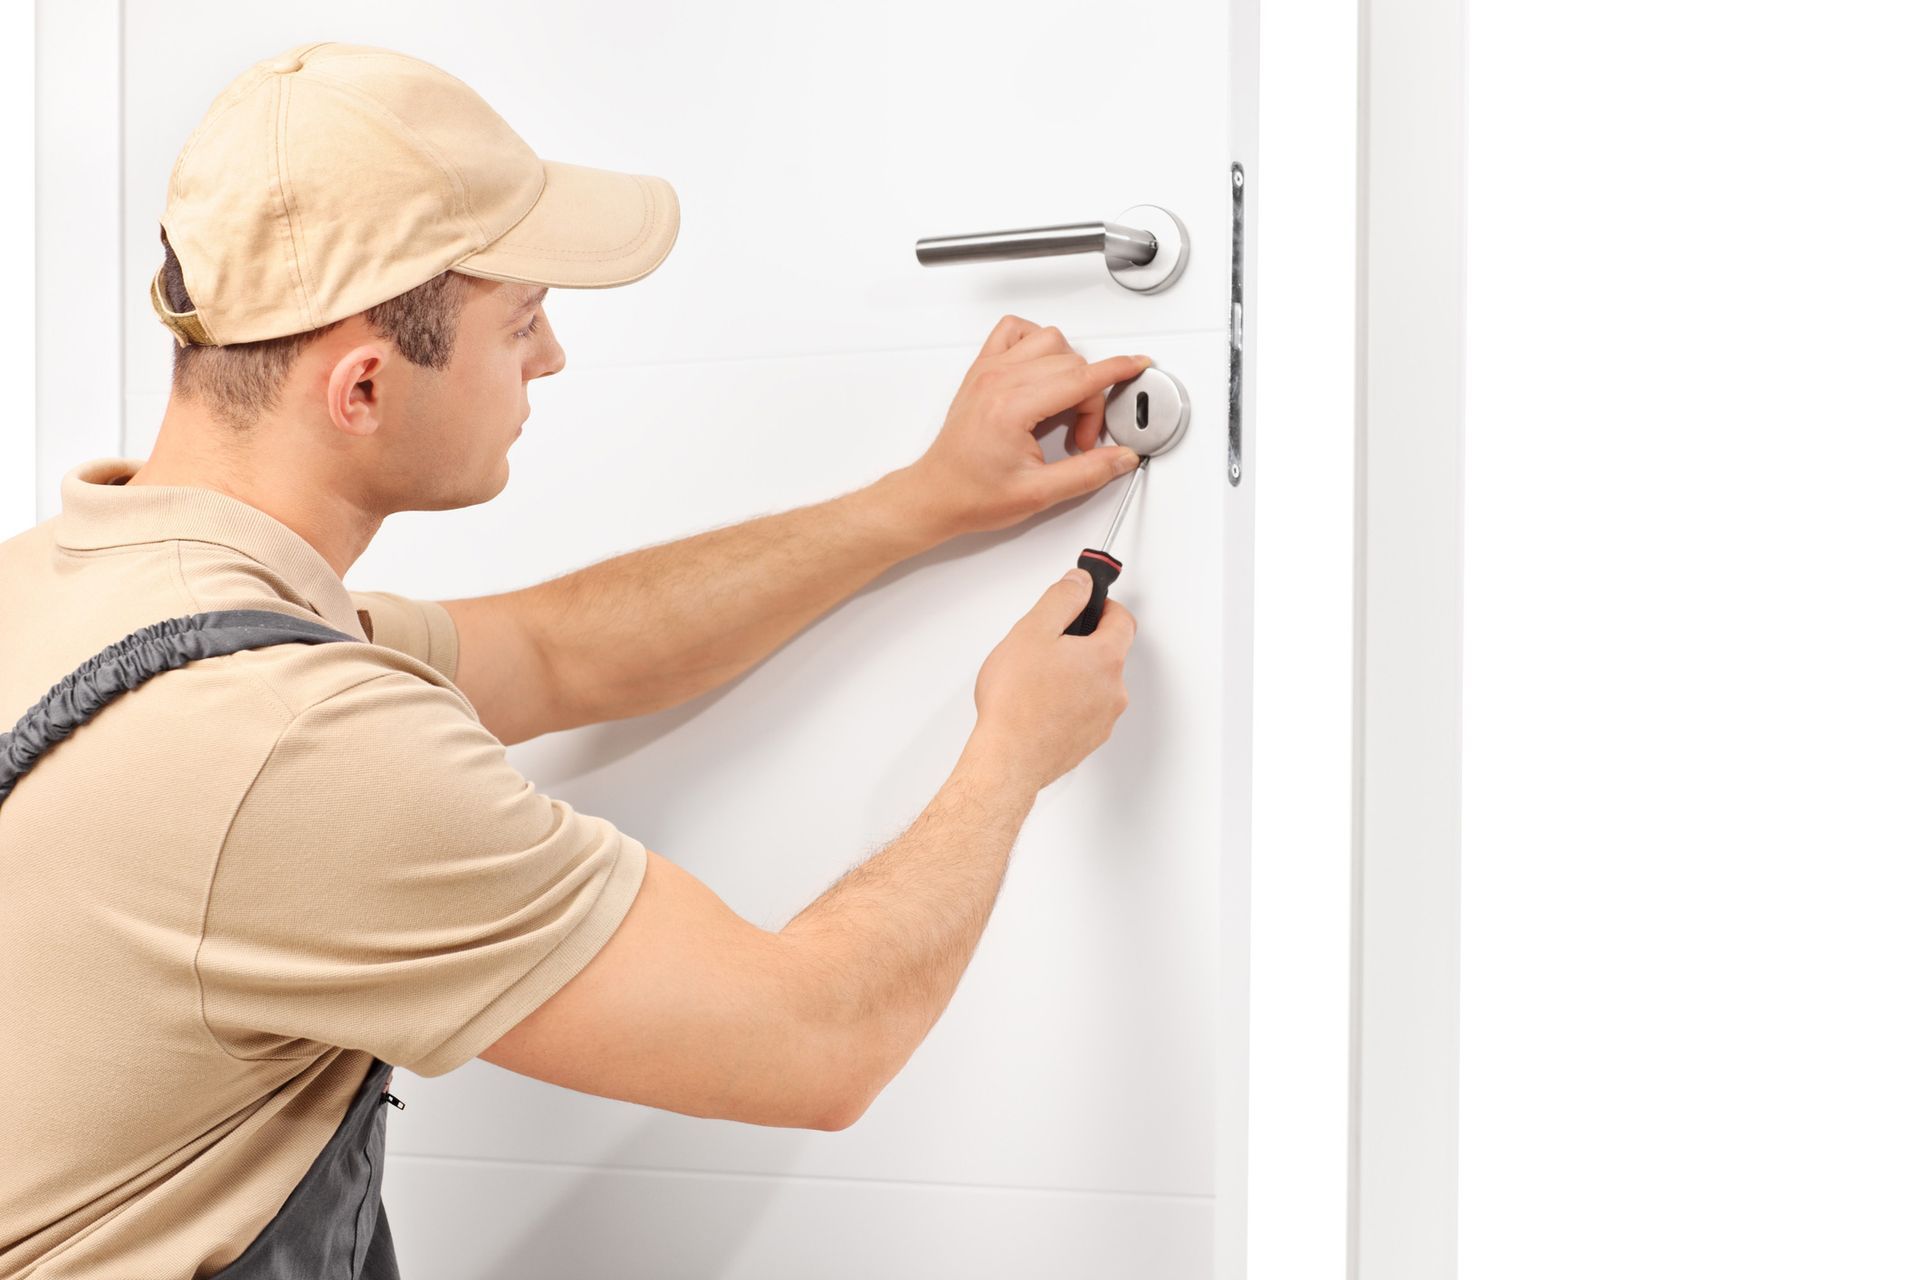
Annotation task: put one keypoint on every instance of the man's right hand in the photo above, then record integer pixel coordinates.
(1047, 700)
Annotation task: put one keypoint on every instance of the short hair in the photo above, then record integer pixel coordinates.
(241, 382)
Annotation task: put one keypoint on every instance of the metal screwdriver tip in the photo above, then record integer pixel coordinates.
(1125, 498)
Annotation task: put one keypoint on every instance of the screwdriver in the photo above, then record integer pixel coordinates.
(1102, 565)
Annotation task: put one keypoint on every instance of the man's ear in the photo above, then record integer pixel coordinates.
(356, 396)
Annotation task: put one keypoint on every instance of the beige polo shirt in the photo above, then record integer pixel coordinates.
(226, 893)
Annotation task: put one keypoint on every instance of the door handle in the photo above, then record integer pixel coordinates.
(1145, 247)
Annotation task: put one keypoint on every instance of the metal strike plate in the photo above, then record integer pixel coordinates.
(1148, 413)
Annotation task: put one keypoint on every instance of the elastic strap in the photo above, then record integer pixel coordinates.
(186, 325)
(130, 662)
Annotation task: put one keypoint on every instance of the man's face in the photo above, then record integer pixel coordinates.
(458, 423)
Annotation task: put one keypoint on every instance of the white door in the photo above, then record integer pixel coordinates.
(1064, 1116)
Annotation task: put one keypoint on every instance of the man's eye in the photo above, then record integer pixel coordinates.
(531, 326)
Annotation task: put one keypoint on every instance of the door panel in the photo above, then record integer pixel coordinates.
(1083, 1026)
(792, 349)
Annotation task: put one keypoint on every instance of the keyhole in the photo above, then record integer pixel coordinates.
(1140, 410)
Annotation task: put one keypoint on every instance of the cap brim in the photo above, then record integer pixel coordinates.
(590, 229)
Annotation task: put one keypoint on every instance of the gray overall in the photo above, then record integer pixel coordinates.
(333, 1224)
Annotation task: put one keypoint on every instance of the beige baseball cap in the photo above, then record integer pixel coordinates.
(333, 177)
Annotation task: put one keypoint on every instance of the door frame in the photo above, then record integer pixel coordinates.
(1355, 720)
(80, 315)
(1409, 574)
(18, 474)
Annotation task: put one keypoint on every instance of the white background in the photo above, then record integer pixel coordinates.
(1687, 956)
(1692, 758)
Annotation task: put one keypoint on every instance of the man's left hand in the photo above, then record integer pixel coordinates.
(985, 470)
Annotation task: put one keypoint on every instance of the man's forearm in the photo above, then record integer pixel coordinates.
(885, 945)
(655, 627)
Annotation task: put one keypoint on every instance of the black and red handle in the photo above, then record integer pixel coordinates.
(1104, 569)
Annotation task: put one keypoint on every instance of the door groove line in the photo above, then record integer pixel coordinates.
(578, 1166)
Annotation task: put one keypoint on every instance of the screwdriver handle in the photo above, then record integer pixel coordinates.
(1104, 569)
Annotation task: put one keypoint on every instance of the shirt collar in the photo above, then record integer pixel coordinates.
(98, 510)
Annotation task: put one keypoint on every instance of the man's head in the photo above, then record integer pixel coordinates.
(410, 404)
(350, 235)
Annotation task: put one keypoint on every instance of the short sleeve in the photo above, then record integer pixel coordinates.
(391, 883)
(420, 629)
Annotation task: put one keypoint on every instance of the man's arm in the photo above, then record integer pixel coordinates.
(652, 628)
(692, 1009)
(888, 942)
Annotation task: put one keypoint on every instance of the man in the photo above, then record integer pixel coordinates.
(247, 888)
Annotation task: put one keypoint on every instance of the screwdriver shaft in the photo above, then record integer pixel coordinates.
(1125, 498)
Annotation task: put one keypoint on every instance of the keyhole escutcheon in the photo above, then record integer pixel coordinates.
(1157, 406)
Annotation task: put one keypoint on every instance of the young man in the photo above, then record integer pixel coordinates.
(266, 873)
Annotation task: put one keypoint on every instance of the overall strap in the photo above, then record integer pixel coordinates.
(132, 661)
(333, 1222)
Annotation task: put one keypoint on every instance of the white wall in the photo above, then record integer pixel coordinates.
(17, 155)
(1692, 849)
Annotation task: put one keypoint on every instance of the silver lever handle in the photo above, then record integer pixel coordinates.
(1145, 248)
(1123, 246)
